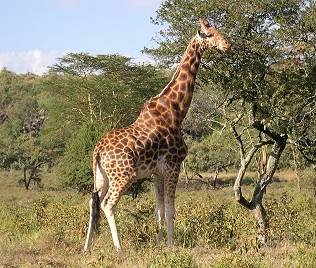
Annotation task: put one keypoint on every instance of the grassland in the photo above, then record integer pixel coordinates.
(46, 227)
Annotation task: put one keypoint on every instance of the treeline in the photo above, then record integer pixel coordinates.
(56, 119)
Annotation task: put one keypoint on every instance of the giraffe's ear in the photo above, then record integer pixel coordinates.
(204, 25)
(204, 22)
(206, 28)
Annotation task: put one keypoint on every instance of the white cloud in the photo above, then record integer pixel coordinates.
(143, 59)
(34, 61)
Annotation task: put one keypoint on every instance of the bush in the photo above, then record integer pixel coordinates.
(205, 154)
(75, 167)
(291, 219)
(309, 179)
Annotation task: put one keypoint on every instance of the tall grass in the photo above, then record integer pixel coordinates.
(47, 228)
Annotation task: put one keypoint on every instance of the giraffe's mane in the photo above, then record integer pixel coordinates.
(174, 75)
(176, 72)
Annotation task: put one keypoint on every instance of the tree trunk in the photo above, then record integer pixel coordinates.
(26, 181)
(217, 169)
(33, 170)
(255, 205)
(262, 223)
(296, 168)
(185, 168)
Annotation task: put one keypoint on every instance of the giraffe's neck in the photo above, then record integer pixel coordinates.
(179, 90)
(169, 108)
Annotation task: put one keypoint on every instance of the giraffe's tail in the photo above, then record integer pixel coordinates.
(95, 205)
(95, 208)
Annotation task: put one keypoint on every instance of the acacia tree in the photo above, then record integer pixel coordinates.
(265, 84)
(93, 95)
(106, 89)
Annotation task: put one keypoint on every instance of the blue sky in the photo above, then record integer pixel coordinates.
(36, 32)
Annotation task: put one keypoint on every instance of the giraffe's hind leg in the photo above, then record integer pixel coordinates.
(101, 188)
(109, 211)
(116, 188)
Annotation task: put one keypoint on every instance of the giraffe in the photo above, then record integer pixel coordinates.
(152, 145)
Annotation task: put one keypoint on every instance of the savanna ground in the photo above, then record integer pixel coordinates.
(47, 227)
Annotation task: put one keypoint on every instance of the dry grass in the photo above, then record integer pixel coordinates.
(46, 227)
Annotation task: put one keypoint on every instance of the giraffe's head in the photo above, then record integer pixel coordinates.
(209, 37)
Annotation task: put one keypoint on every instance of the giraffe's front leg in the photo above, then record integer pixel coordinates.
(160, 206)
(170, 211)
(169, 196)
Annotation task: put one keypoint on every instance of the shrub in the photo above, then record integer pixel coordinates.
(75, 167)
(205, 154)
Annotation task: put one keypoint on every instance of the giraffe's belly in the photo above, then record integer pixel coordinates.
(160, 166)
(146, 168)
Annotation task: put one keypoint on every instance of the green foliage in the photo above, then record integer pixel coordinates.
(239, 261)
(61, 218)
(109, 89)
(210, 151)
(137, 217)
(204, 116)
(64, 218)
(305, 260)
(268, 76)
(19, 102)
(286, 221)
(309, 177)
(208, 224)
(210, 231)
(81, 98)
(75, 167)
